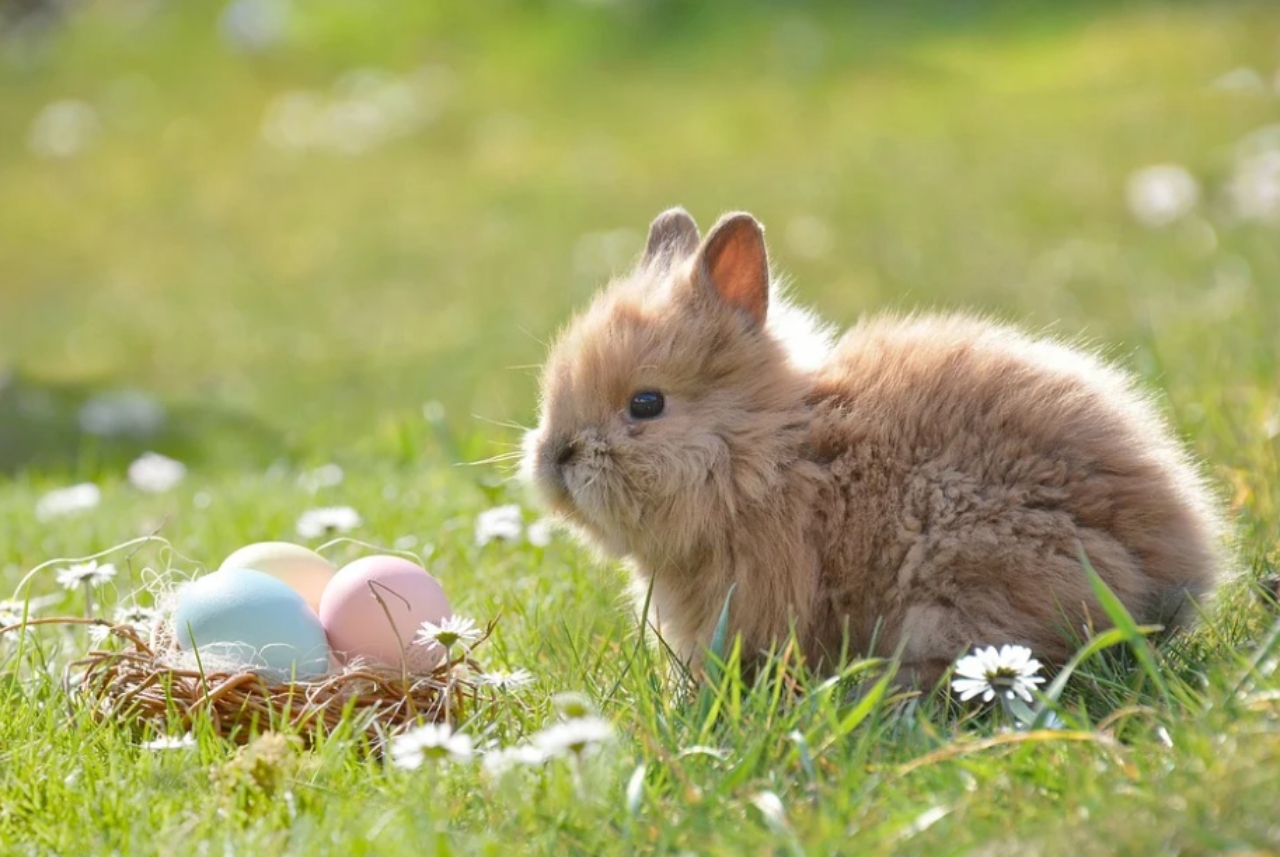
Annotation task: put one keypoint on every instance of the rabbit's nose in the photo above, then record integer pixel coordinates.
(563, 452)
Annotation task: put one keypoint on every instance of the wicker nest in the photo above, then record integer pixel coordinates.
(138, 685)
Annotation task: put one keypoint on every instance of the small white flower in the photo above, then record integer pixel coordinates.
(65, 501)
(770, 806)
(449, 633)
(1158, 195)
(433, 742)
(64, 129)
(98, 634)
(171, 742)
(155, 473)
(315, 523)
(136, 616)
(539, 533)
(1255, 186)
(1009, 671)
(577, 736)
(1241, 79)
(11, 612)
(506, 679)
(571, 705)
(254, 26)
(500, 522)
(120, 413)
(325, 476)
(497, 762)
(85, 574)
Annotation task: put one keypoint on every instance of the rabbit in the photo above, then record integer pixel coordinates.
(923, 485)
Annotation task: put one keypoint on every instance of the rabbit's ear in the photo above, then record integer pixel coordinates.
(673, 235)
(733, 262)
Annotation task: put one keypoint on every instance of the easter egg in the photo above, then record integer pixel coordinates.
(372, 610)
(304, 570)
(251, 620)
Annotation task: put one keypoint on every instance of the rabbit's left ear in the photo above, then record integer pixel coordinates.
(734, 265)
(673, 236)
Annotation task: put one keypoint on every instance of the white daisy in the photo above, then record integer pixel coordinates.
(325, 476)
(577, 736)
(497, 762)
(433, 742)
(1008, 671)
(450, 632)
(155, 473)
(85, 574)
(11, 613)
(65, 501)
(327, 520)
(506, 679)
(572, 705)
(539, 533)
(500, 522)
(1161, 194)
(171, 742)
(136, 616)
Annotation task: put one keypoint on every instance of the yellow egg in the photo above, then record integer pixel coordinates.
(304, 570)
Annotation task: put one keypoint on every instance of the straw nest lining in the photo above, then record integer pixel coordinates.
(139, 685)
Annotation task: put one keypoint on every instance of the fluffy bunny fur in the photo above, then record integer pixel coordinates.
(923, 485)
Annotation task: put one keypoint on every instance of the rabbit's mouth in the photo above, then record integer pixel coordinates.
(539, 470)
(553, 466)
(576, 477)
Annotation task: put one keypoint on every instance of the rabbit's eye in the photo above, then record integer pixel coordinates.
(646, 405)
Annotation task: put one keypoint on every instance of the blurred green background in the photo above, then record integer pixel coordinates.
(294, 224)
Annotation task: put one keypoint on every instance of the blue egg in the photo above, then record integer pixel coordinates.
(254, 621)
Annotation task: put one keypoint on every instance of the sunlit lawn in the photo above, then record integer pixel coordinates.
(351, 247)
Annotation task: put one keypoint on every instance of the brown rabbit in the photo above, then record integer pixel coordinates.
(921, 486)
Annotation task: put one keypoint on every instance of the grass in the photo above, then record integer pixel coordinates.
(295, 308)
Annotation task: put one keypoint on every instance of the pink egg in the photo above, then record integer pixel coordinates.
(373, 607)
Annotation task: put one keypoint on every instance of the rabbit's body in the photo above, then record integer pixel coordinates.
(964, 466)
(924, 486)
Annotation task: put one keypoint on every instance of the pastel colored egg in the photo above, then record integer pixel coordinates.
(372, 610)
(250, 620)
(304, 570)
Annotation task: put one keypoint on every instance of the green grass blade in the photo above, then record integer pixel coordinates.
(1123, 622)
(715, 657)
(869, 702)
